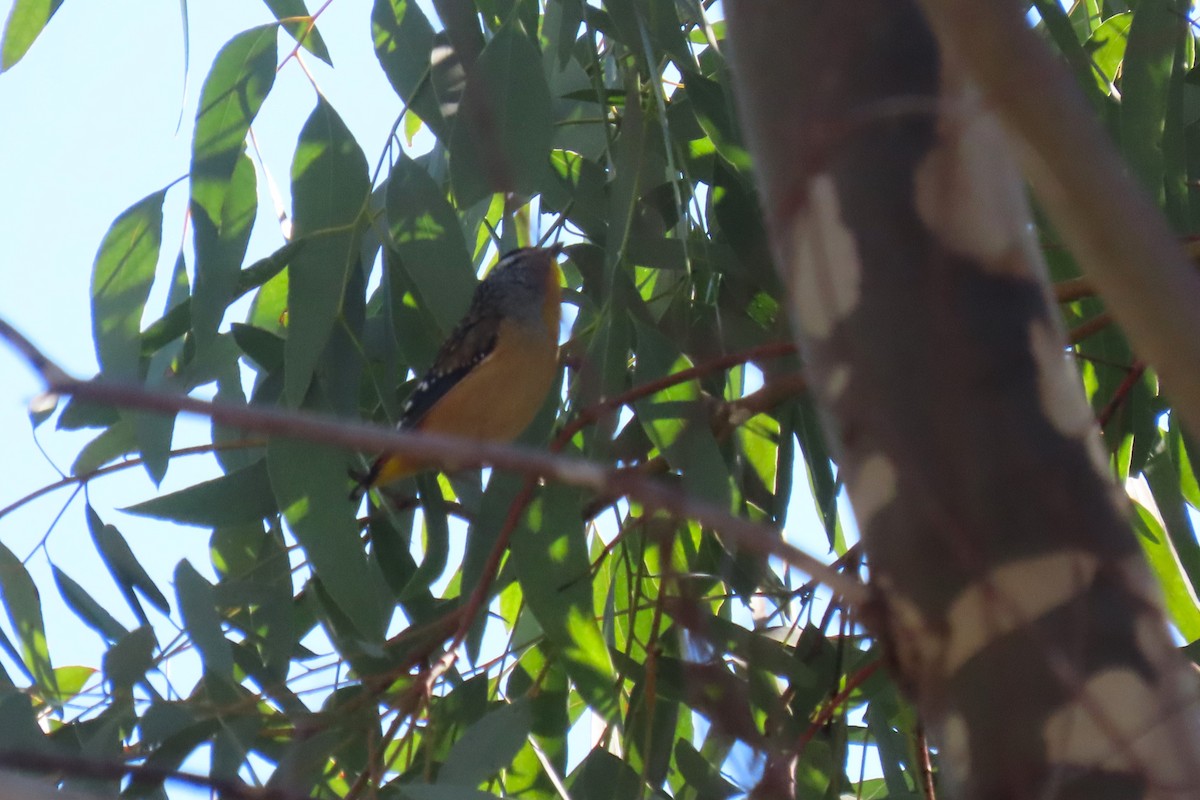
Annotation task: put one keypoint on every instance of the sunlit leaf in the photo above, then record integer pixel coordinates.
(329, 192)
(310, 485)
(26, 19)
(550, 554)
(23, 603)
(121, 279)
(292, 14)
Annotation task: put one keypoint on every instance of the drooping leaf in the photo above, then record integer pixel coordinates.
(197, 604)
(241, 496)
(23, 603)
(292, 14)
(501, 138)
(112, 443)
(488, 746)
(26, 19)
(121, 279)
(428, 244)
(1154, 32)
(330, 187)
(124, 566)
(223, 197)
(93, 614)
(1182, 603)
(310, 484)
(549, 552)
(404, 42)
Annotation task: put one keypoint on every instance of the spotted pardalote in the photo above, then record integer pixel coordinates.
(493, 372)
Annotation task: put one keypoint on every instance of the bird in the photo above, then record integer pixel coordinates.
(493, 372)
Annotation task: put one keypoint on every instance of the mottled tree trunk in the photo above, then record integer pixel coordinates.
(1012, 594)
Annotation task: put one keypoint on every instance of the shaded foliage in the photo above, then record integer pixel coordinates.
(684, 665)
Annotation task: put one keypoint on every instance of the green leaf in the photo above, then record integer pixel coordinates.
(221, 243)
(488, 746)
(1107, 47)
(223, 196)
(70, 682)
(94, 615)
(330, 187)
(1164, 478)
(701, 775)
(128, 661)
(549, 551)
(26, 20)
(24, 606)
(404, 42)
(1067, 41)
(241, 496)
(676, 421)
(501, 137)
(428, 244)
(19, 728)
(303, 31)
(154, 431)
(121, 279)
(1146, 70)
(1182, 604)
(627, 182)
(124, 567)
(309, 482)
(197, 604)
(604, 776)
(118, 440)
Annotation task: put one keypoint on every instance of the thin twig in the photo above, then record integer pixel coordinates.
(924, 763)
(829, 709)
(1121, 393)
(1089, 327)
(71, 480)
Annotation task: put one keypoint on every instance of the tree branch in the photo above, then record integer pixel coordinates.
(451, 451)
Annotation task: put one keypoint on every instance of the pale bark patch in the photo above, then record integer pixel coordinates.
(955, 749)
(968, 196)
(1012, 596)
(826, 266)
(1115, 723)
(1059, 389)
(836, 383)
(872, 487)
(917, 647)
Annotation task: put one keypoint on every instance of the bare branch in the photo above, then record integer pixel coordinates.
(450, 451)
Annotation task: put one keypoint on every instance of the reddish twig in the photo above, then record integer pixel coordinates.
(586, 417)
(1089, 327)
(1136, 370)
(309, 24)
(837, 701)
(924, 763)
(449, 451)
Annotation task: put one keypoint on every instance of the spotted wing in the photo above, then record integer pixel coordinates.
(470, 343)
